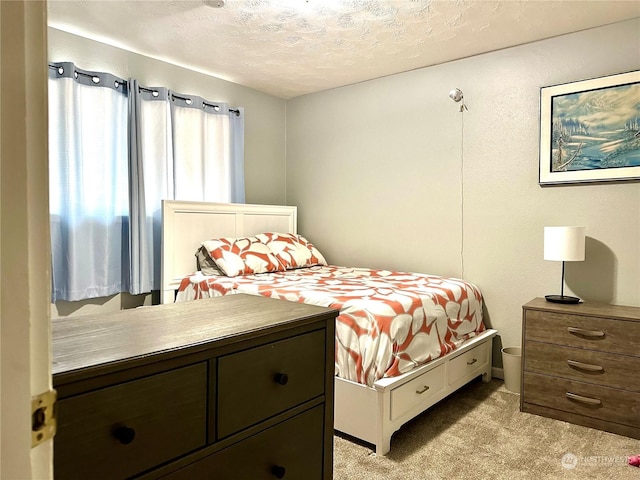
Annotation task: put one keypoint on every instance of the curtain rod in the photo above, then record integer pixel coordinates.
(206, 104)
(96, 79)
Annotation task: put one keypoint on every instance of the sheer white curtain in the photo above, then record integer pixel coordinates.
(88, 183)
(201, 149)
(182, 147)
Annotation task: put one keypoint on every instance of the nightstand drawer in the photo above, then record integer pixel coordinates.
(417, 391)
(260, 382)
(119, 431)
(292, 449)
(593, 333)
(469, 363)
(609, 370)
(584, 399)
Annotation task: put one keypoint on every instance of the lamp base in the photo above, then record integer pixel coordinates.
(561, 299)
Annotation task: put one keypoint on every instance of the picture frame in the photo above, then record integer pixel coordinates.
(590, 130)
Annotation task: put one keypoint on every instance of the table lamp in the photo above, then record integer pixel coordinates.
(563, 244)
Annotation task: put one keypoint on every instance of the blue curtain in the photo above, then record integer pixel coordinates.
(88, 183)
(151, 163)
(237, 155)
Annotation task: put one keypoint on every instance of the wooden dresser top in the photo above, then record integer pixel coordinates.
(83, 342)
(587, 309)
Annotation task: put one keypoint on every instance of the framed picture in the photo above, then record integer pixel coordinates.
(590, 130)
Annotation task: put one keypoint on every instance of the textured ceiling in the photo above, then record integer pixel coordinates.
(294, 47)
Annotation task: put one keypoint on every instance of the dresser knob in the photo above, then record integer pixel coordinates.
(281, 379)
(124, 434)
(278, 471)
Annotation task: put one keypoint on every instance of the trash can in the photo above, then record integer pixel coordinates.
(511, 364)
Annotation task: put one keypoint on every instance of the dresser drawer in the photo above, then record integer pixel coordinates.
(292, 448)
(119, 431)
(589, 366)
(417, 391)
(260, 382)
(593, 333)
(613, 405)
(469, 363)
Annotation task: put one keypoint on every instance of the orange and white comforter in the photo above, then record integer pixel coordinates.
(389, 322)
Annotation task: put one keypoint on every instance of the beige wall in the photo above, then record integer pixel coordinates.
(381, 161)
(378, 163)
(264, 127)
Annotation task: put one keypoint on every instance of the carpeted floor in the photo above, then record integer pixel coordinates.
(479, 433)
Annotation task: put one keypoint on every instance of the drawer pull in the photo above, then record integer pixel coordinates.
(124, 434)
(281, 378)
(585, 366)
(587, 400)
(424, 389)
(278, 471)
(472, 361)
(586, 333)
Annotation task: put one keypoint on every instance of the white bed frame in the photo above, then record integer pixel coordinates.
(371, 414)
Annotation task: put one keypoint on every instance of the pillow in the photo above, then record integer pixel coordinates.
(293, 250)
(242, 256)
(205, 263)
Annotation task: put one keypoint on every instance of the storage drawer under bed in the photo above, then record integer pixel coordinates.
(432, 383)
(469, 364)
(417, 391)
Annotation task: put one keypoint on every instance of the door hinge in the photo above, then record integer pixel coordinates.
(43, 417)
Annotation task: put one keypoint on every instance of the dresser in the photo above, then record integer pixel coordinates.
(580, 364)
(236, 387)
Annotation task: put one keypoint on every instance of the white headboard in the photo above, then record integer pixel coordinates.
(186, 224)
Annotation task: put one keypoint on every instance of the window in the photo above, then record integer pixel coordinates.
(117, 149)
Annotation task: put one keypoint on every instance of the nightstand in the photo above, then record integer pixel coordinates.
(580, 364)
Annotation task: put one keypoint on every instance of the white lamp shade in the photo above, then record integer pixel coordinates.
(564, 243)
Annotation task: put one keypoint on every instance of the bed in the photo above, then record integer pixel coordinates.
(404, 341)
